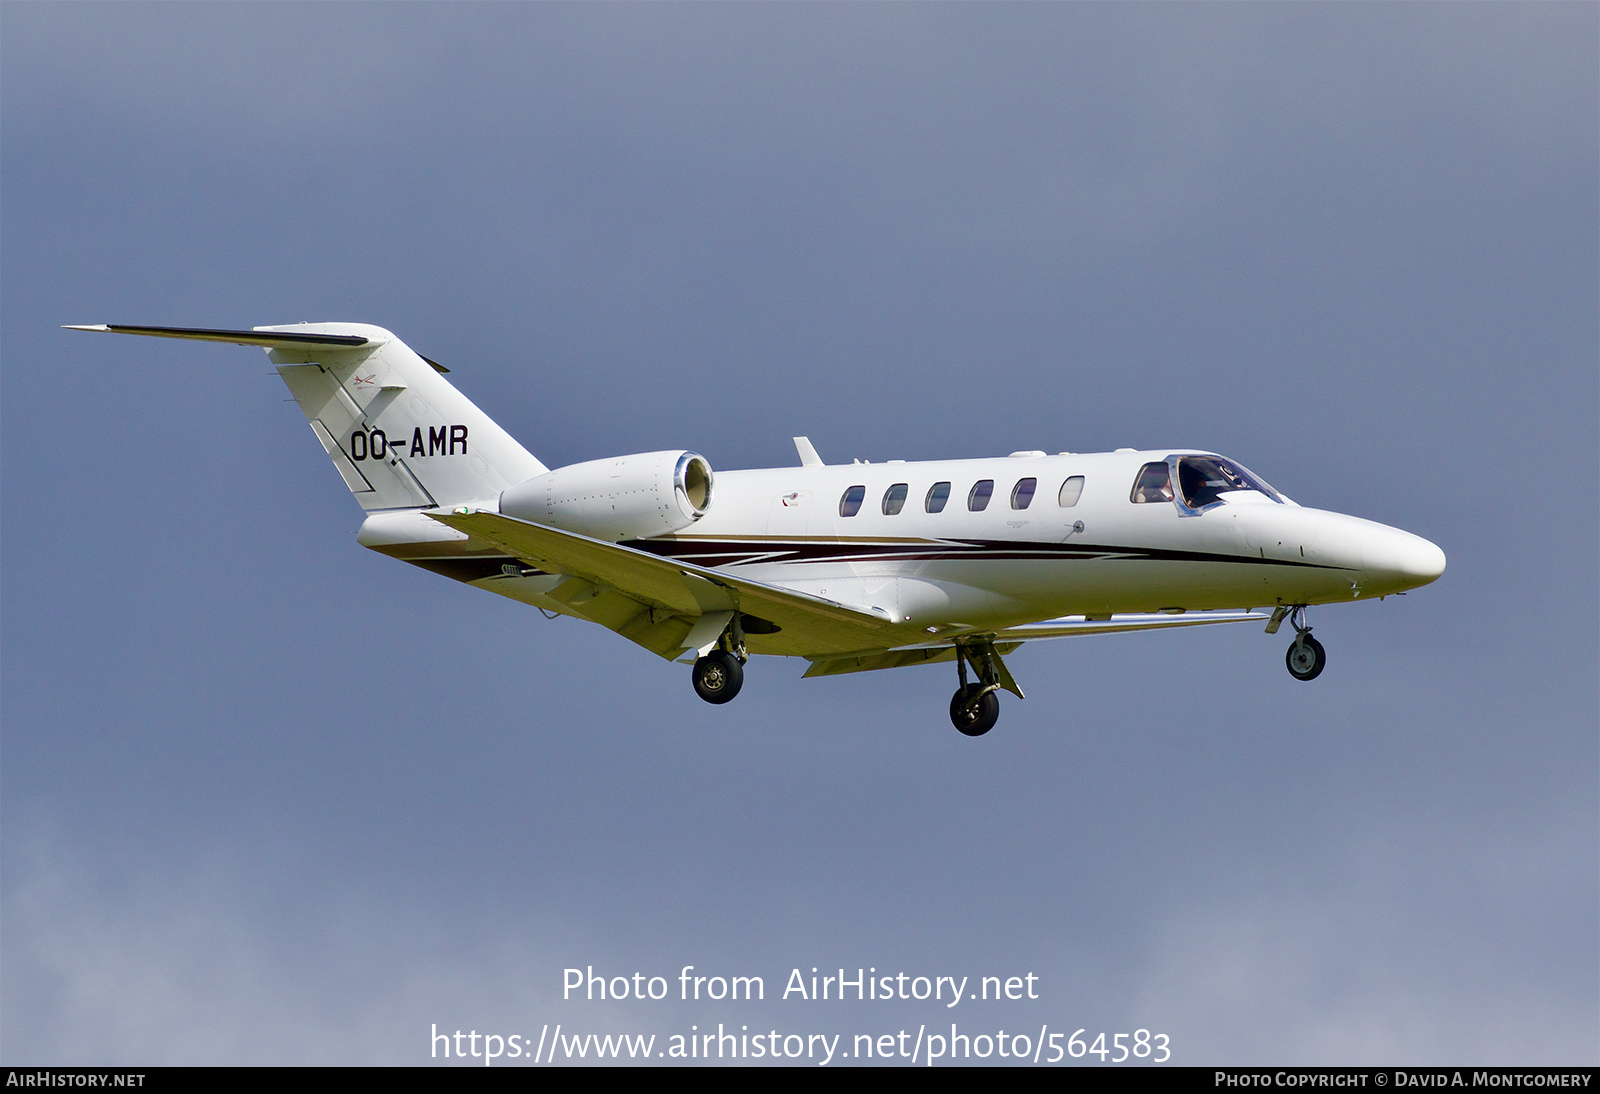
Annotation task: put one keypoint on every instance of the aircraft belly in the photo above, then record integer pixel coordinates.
(1055, 587)
(994, 583)
(987, 592)
(914, 601)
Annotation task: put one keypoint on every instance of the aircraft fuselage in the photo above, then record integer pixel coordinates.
(1003, 564)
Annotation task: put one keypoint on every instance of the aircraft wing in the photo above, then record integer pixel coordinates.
(1007, 640)
(665, 589)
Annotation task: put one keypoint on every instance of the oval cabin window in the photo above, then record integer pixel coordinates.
(850, 504)
(1071, 491)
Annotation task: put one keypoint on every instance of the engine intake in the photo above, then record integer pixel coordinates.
(625, 497)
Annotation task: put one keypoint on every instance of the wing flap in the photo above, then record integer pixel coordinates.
(674, 586)
(630, 572)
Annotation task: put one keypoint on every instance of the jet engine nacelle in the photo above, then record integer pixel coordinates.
(625, 497)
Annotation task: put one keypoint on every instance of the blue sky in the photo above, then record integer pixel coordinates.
(1352, 246)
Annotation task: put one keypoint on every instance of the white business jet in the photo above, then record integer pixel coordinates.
(852, 566)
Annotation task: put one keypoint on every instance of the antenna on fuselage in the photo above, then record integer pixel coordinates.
(808, 453)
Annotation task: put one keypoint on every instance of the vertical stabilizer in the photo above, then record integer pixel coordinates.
(400, 434)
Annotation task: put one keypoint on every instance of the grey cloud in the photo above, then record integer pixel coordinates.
(1338, 968)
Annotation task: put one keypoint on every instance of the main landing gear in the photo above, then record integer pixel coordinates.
(719, 675)
(975, 707)
(1306, 658)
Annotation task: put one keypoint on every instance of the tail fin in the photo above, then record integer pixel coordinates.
(399, 433)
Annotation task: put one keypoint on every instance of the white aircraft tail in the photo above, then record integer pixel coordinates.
(399, 433)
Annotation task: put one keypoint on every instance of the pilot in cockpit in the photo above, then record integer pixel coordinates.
(1154, 484)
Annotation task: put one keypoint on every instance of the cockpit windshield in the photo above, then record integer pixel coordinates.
(1205, 480)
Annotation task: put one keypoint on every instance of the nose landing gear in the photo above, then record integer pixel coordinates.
(1306, 658)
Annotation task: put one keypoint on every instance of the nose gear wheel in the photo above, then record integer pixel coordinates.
(1306, 658)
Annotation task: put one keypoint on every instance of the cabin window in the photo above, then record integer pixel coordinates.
(1206, 480)
(894, 499)
(1022, 493)
(938, 494)
(850, 504)
(1071, 491)
(1153, 484)
(978, 500)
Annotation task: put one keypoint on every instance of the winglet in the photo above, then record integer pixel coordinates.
(808, 454)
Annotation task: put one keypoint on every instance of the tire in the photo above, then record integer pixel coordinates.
(974, 719)
(718, 676)
(1311, 659)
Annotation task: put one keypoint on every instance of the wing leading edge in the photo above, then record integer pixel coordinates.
(1007, 640)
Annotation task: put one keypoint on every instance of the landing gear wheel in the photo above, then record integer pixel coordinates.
(1306, 658)
(718, 676)
(974, 718)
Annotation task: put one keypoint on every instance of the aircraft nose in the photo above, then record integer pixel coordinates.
(1401, 559)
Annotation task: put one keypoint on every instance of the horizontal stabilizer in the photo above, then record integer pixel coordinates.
(269, 339)
(430, 448)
